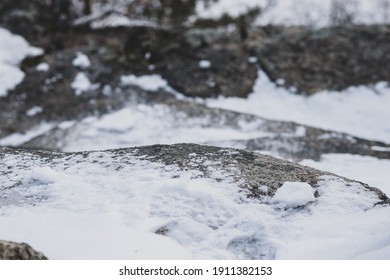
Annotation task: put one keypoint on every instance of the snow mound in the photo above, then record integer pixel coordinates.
(81, 60)
(294, 194)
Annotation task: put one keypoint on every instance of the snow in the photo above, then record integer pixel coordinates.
(43, 67)
(10, 74)
(42, 175)
(81, 60)
(34, 111)
(311, 13)
(17, 139)
(115, 20)
(81, 83)
(204, 64)
(137, 125)
(293, 194)
(380, 149)
(252, 59)
(352, 111)
(147, 82)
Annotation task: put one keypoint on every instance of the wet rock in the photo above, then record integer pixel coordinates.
(19, 251)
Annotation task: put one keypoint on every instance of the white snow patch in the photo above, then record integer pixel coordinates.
(66, 124)
(115, 20)
(81, 60)
(34, 111)
(300, 131)
(43, 175)
(294, 194)
(119, 121)
(17, 139)
(359, 111)
(146, 82)
(81, 83)
(204, 64)
(380, 149)
(43, 67)
(252, 59)
(13, 49)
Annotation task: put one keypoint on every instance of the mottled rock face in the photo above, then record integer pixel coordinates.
(307, 61)
(327, 59)
(19, 251)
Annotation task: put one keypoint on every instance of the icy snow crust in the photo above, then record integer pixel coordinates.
(116, 205)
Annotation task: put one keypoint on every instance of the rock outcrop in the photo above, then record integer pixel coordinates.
(303, 60)
(19, 251)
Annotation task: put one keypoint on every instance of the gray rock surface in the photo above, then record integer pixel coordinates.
(334, 58)
(19, 251)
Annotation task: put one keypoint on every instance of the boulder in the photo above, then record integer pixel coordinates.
(210, 202)
(19, 251)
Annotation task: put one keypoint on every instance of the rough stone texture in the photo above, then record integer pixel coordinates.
(172, 50)
(328, 59)
(19, 251)
(307, 60)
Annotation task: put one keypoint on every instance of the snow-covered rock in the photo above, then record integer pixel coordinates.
(184, 201)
